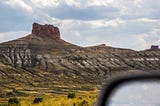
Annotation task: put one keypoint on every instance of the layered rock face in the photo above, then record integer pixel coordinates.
(16, 55)
(60, 56)
(46, 60)
(22, 52)
(46, 30)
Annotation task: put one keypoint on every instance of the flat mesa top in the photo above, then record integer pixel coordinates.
(45, 30)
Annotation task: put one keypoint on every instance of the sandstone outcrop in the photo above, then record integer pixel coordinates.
(46, 30)
(23, 52)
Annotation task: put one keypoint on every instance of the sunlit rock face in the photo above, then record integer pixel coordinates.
(45, 30)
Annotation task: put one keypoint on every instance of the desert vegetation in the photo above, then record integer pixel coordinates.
(70, 99)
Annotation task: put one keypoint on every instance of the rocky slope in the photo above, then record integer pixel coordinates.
(42, 62)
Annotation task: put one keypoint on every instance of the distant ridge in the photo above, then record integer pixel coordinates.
(109, 49)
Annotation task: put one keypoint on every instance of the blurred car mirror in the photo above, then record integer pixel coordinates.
(136, 90)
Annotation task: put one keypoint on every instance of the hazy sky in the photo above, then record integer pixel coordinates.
(121, 23)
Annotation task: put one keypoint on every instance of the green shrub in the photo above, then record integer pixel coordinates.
(90, 96)
(37, 100)
(80, 98)
(84, 103)
(74, 104)
(71, 95)
(13, 101)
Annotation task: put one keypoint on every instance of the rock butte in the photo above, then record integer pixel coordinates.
(46, 30)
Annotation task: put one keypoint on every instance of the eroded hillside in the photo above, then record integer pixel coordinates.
(44, 63)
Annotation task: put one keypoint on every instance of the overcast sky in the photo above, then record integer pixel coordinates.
(131, 24)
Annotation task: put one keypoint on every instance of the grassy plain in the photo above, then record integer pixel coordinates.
(82, 99)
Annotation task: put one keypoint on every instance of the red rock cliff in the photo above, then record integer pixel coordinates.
(46, 30)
